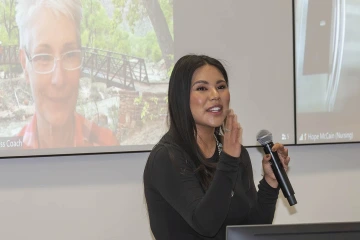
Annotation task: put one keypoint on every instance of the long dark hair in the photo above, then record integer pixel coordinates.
(182, 123)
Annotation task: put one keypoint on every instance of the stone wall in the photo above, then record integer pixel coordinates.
(137, 111)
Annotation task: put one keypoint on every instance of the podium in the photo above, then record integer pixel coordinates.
(308, 231)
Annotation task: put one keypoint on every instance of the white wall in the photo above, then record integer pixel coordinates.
(100, 196)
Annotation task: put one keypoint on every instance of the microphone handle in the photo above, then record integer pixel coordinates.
(280, 174)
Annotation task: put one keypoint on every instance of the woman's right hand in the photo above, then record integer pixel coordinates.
(232, 135)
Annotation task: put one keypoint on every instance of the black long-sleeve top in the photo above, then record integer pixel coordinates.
(178, 206)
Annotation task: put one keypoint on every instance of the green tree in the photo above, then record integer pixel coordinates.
(96, 25)
(160, 13)
(8, 28)
(162, 30)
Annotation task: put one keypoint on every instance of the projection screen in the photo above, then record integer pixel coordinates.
(327, 71)
(93, 77)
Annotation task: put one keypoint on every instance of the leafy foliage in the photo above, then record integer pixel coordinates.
(8, 28)
(146, 113)
(132, 15)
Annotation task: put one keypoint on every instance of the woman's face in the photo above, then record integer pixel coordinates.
(209, 97)
(55, 93)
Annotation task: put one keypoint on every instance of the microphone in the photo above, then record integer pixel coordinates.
(264, 137)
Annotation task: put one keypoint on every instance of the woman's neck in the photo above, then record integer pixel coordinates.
(55, 136)
(206, 140)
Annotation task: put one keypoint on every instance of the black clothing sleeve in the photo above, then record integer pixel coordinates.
(265, 199)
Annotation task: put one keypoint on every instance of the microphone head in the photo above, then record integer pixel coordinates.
(264, 137)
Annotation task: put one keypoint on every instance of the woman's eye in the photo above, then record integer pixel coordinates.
(201, 89)
(222, 87)
(42, 58)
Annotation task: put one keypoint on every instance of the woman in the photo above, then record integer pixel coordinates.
(51, 57)
(198, 179)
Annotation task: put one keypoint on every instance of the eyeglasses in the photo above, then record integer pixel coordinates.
(44, 63)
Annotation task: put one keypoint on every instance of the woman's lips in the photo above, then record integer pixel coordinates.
(215, 109)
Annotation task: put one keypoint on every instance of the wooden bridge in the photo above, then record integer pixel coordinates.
(111, 68)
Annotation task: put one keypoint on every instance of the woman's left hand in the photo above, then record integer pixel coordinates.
(284, 158)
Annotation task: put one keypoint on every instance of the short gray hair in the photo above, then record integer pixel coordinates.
(25, 12)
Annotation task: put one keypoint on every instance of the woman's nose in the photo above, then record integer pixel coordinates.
(214, 94)
(58, 74)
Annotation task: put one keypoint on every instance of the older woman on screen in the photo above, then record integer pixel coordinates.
(50, 54)
(198, 179)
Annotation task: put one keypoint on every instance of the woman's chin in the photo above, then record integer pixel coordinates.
(216, 125)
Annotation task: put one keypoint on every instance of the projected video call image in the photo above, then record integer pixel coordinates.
(327, 71)
(90, 76)
(84, 73)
